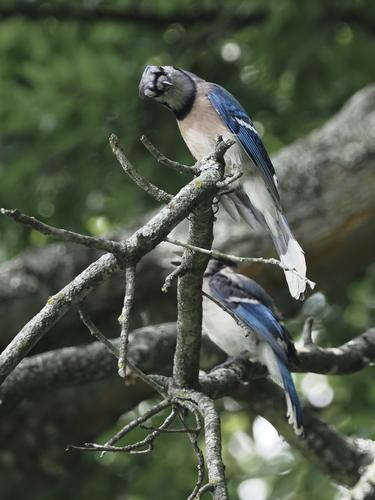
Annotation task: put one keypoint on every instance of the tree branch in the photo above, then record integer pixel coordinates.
(348, 358)
(323, 169)
(113, 349)
(125, 319)
(235, 258)
(153, 347)
(212, 437)
(143, 446)
(189, 285)
(132, 250)
(63, 234)
(174, 165)
(152, 350)
(139, 180)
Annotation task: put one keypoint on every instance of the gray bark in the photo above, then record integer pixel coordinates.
(328, 192)
(70, 395)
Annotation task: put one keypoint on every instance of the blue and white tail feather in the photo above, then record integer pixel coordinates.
(270, 344)
(293, 406)
(259, 199)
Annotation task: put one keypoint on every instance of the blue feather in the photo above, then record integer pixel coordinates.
(254, 307)
(261, 320)
(240, 124)
(290, 388)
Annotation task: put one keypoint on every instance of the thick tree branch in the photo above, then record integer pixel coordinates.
(343, 459)
(348, 358)
(133, 249)
(189, 286)
(337, 455)
(152, 350)
(325, 170)
(149, 346)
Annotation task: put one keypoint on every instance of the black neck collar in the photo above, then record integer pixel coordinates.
(188, 103)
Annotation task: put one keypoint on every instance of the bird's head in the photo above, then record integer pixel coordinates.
(215, 265)
(172, 87)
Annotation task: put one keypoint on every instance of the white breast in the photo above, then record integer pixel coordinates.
(202, 126)
(224, 331)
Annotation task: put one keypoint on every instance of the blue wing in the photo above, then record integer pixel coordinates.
(251, 304)
(239, 123)
(260, 319)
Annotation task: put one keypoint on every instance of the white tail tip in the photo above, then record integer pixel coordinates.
(294, 258)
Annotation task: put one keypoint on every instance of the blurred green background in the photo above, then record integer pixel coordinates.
(69, 77)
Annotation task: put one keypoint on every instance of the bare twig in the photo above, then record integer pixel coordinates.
(94, 330)
(138, 179)
(221, 147)
(178, 271)
(170, 279)
(188, 430)
(235, 258)
(147, 442)
(212, 436)
(229, 180)
(62, 234)
(137, 422)
(174, 165)
(204, 489)
(125, 319)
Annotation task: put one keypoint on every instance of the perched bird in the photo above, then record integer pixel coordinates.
(205, 110)
(270, 343)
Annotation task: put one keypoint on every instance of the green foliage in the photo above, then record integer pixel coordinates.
(67, 84)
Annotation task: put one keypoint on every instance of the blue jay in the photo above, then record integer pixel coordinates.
(270, 343)
(205, 110)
